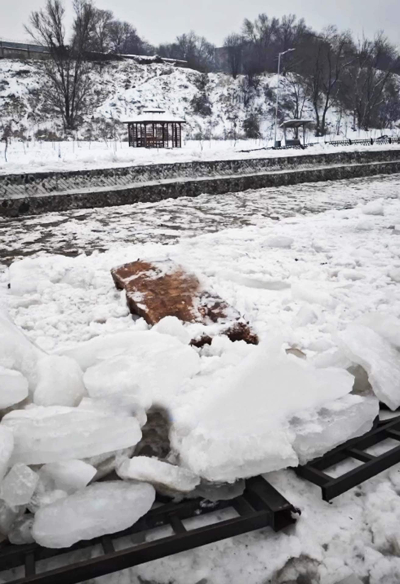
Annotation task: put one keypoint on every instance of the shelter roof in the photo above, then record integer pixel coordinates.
(295, 123)
(153, 115)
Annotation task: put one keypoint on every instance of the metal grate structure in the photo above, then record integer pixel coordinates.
(331, 487)
(260, 506)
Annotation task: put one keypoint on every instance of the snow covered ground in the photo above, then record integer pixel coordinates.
(307, 261)
(39, 156)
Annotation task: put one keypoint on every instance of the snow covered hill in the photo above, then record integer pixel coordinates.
(121, 88)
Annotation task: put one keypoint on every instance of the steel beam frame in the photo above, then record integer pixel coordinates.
(259, 506)
(315, 471)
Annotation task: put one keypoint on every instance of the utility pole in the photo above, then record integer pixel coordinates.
(277, 92)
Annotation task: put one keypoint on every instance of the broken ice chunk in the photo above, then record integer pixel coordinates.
(279, 241)
(97, 510)
(156, 472)
(13, 387)
(6, 449)
(21, 531)
(152, 372)
(318, 431)
(245, 429)
(8, 515)
(118, 404)
(70, 475)
(59, 382)
(19, 485)
(170, 325)
(100, 349)
(16, 350)
(386, 325)
(60, 433)
(373, 208)
(378, 357)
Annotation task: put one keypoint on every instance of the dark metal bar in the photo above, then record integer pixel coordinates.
(177, 524)
(395, 434)
(360, 474)
(355, 448)
(314, 475)
(362, 443)
(273, 510)
(107, 544)
(30, 569)
(359, 454)
(242, 506)
(140, 554)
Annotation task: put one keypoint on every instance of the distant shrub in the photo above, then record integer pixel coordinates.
(201, 105)
(47, 136)
(251, 126)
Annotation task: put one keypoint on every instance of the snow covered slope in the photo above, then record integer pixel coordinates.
(120, 88)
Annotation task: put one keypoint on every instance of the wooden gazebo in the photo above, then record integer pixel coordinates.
(155, 128)
(295, 125)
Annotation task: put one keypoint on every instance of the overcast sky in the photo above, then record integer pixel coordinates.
(162, 20)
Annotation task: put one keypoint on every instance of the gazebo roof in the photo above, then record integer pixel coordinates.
(295, 123)
(153, 115)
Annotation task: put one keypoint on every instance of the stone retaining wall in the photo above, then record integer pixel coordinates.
(154, 191)
(63, 182)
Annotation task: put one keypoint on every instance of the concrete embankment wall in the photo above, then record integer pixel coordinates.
(23, 194)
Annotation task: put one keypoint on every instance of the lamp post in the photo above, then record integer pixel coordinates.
(277, 91)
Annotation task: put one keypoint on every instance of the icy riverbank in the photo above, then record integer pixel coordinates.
(309, 277)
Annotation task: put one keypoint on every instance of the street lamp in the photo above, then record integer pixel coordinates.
(277, 91)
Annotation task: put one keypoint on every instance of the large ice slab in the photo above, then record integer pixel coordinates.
(60, 433)
(19, 485)
(59, 382)
(269, 411)
(158, 473)
(97, 510)
(13, 387)
(152, 367)
(378, 357)
(318, 431)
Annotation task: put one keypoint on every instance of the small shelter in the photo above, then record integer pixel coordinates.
(155, 128)
(295, 124)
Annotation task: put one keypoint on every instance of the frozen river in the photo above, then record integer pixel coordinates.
(76, 231)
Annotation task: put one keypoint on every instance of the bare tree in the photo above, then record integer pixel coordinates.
(234, 51)
(101, 28)
(329, 56)
(369, 78)
(124, 39)
(66, 88)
